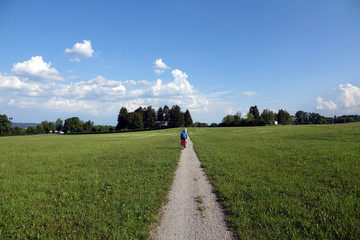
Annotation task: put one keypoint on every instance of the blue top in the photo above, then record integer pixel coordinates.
(183, 134)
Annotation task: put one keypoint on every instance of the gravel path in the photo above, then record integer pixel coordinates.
(192, 211)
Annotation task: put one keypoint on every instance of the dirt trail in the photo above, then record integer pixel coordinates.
(192, 211)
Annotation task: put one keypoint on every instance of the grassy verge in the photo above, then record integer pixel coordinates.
(85, 186)
(285, 182)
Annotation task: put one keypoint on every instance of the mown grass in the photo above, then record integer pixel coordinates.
(285, 182)
(107, 186)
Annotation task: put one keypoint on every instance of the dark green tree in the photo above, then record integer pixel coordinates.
(31, 130)
(48, 126)
(199, 124)
(160, 114)
(5, 125)
(88, 126)
(73, 125)
(283, 117)
(59, 124)
(316, 118)
(123, 119)
(40, 128)
(149, 117)
(176, 117)
(228, 120)
(140, 110)
(268, 116)
(166, 113)
(16, 131)
(187, 119)
(136, 120)
(250, 119)
(301, 117)
(255, 112)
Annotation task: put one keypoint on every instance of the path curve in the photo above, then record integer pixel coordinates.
(192, 211)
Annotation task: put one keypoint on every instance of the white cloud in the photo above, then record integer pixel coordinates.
(321, 104)
(129, 83)
(97, 88)
(21, 84)
(160, 64)
(133, 82)
(73, 105)
(11, 102)
(344, 100)
(350, 95)
(248, 94)
(144, 82)
(10, 82)
(36, 68)
(180, 86)
(96, 96)
(81, 49)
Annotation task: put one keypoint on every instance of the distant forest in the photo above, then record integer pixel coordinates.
(146, 118)
(141, 119)
(267, 117)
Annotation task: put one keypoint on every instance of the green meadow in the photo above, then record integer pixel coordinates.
(108, 186)
(285, 182)
(278, 182)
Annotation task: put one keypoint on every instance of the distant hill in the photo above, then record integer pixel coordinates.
(24, 125)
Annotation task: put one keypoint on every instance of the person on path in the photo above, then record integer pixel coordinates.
(183, 137)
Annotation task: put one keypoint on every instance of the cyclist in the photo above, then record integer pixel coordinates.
(183, 137)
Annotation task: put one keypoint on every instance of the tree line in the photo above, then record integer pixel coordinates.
(141, 118)
(302, 117)
(148, 118)
(71, 125)
(268, 117)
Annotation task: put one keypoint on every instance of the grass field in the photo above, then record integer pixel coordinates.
(285, 182)
(108, 186)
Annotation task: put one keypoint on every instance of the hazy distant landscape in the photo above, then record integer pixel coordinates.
(24, 125)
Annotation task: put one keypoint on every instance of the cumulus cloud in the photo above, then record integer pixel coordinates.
(344, 100)
(180, 85)
(10, 82)
(144, 82)
(20, 84)
(36, 68)
(73, 105)
(96, 96)
(321, 104)
(97, 88)
(129, 83)
(133, 82)
(83, 49)
(160, 66)
(350, 95)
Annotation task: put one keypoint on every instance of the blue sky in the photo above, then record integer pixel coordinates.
(90, 58)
